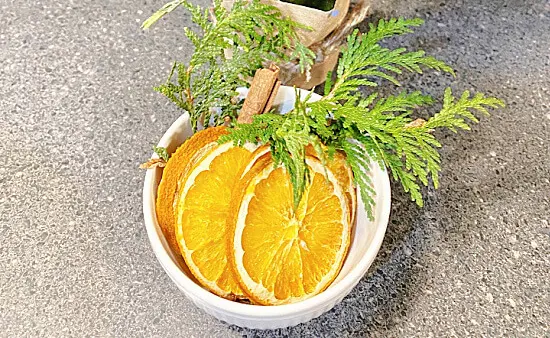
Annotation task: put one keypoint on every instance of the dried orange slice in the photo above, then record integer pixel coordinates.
(281, 255)
(179, 164)
(201, 209)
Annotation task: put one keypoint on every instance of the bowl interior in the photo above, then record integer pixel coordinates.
(367, 235)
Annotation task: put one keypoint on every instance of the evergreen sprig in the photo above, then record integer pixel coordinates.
(368, 128)
(162, 153)
(229, 47)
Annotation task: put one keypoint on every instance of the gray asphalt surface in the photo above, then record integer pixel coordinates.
(78, 114)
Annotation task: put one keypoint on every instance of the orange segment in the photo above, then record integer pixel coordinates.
(281, 255)
(201, 210)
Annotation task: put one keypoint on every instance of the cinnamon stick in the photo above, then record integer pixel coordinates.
(261, 95)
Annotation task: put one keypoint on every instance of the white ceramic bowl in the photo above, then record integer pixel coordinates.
(367, 237)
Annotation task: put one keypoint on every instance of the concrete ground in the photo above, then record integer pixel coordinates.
(78, 114)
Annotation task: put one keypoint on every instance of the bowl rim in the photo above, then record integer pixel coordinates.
(249, 311)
